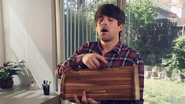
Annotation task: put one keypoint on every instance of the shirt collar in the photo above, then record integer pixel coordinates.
(116, 49)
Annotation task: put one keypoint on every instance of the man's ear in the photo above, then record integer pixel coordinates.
(121, 26)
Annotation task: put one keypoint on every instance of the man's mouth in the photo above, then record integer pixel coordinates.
(104, 30)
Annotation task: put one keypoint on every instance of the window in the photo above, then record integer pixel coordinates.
(78, 25)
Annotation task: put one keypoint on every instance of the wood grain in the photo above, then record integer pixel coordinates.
(109, 84)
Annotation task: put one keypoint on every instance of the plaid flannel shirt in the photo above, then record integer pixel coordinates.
(120, 56)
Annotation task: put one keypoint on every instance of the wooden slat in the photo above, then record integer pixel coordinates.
(103, 95)
(99, 72)
(91, 75)
(100, 87)
(78, 84)
(119, 76)
(77, 80)
(106, 98)
(98, 91)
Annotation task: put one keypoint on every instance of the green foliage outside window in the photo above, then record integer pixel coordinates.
(176, 61)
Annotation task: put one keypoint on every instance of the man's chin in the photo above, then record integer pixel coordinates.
(105, 40)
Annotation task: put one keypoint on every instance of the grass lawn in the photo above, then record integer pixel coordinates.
(164, 92)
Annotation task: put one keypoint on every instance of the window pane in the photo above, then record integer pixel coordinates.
(151, 28)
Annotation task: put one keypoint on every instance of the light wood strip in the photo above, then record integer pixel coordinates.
(136, 84)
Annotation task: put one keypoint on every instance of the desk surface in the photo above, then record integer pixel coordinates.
(23, 95)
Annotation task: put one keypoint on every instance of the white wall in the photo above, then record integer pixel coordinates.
(183, 12)
(177, 11)
(1, 36)
(160, 16)
(29, 35)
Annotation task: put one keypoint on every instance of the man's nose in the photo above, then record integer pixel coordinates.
(104, 22)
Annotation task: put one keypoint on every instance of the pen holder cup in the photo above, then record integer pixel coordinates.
(46, 89)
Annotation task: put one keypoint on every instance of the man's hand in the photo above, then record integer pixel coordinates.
(91, 60)
(85, 100)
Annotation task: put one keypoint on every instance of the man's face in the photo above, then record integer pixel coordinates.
(108, 29)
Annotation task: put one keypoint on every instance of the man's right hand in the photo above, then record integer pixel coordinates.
(92, 60)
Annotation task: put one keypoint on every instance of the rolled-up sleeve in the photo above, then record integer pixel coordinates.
(71, 63)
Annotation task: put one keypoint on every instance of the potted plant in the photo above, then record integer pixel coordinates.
(7, 70)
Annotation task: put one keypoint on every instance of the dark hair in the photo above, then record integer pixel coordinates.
(110, 10)
(113, 11)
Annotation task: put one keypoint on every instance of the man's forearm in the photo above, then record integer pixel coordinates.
(73, 62)
(61, 68)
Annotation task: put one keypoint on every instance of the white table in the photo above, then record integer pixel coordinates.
(23, 95)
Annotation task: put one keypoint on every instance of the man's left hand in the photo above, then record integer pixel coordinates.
(85, 100)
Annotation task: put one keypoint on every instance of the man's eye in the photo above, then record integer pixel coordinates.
(100, 20)
(110, 19)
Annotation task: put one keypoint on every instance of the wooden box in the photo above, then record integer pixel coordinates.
(108, 84)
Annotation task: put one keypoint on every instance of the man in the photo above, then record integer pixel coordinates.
(109, 20)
